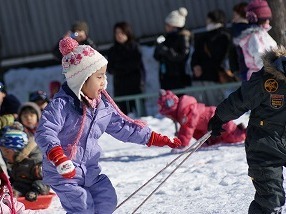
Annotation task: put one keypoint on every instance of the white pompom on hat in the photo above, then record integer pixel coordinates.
(177, 18)
(79, 63)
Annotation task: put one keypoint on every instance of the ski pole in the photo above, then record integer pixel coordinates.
(169, 164)
(198, 144)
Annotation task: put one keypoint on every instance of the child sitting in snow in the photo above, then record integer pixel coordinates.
(193, 118)
(71, 126)
(25, 175)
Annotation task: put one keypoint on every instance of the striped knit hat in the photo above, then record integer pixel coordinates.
(79, 63)
(13, 139)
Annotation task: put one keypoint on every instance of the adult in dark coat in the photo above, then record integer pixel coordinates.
(210, 56)
(211, 48)
(172, 51)
(126, 66)
(265, 144)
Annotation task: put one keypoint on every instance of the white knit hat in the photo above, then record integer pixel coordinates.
(79, 63)
(177, 18)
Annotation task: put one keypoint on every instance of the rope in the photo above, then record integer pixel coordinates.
(169, 164)
(197, 146)
(202, 139)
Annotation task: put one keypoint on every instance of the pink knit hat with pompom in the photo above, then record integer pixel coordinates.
(258, 10)
(79, 63)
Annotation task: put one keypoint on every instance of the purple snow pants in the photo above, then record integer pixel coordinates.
(99, 198)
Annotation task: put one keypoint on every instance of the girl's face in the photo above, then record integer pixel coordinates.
(169, 28)
(29, 119)
(120, 36)
(235, 17)
(94, 85)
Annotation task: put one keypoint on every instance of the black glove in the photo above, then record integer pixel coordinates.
(215, 125)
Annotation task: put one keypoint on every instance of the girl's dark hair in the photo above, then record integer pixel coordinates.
(240, 8)
(126, 29)
(217, 16)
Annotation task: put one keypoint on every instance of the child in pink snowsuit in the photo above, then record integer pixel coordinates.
(193, 118)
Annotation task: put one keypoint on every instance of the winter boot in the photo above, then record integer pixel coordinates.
(40, 187)
(255, 208)
(31, 196)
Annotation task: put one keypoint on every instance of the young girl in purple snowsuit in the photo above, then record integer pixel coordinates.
(71, 125)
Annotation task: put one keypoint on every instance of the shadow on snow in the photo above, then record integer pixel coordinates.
(132, 158)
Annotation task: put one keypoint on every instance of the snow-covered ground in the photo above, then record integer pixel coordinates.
(213, 180)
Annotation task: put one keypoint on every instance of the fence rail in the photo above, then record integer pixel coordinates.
(139, 97)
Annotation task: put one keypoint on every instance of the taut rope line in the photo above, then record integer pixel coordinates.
(195, 146)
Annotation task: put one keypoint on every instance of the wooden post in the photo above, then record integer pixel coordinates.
(278, 22)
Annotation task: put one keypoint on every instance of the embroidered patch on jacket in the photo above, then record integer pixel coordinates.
(271, 85)
(276, 101)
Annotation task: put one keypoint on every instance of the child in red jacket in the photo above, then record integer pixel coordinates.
(193, 118)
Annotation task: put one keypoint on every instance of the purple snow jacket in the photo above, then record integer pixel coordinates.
(60, 124)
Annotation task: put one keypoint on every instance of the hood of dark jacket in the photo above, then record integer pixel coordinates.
(274, 62)
(238, 28)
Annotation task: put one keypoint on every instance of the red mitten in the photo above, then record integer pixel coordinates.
(64, 165)
(160, 140)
